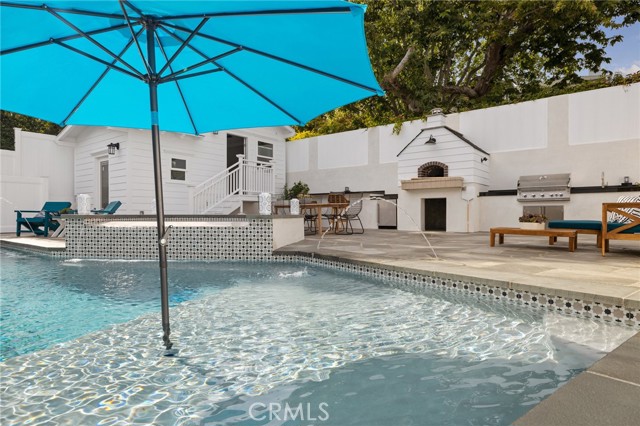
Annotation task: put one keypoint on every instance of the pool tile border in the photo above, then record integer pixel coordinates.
(400, 277)
(404, 278)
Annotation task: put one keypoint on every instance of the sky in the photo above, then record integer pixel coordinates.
(625, 56)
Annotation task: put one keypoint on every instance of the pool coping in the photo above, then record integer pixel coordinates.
(594, 306)
(607, 393)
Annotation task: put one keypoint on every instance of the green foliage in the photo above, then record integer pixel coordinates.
(9, 120)
(297, 189)
(460, 55)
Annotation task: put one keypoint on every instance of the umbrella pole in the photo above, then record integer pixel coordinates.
(157, 174)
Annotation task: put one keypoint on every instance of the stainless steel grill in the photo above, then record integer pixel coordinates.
(555, 187)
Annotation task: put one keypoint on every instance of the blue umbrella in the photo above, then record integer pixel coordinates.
(202, 65)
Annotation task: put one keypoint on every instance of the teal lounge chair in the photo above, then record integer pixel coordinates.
(44, 221)
(109, 209)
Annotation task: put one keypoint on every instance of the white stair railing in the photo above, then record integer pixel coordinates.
(245, 178)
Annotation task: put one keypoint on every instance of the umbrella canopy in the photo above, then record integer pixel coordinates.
(220, 64)
(192, 66)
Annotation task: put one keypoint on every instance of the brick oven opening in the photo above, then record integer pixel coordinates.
(433, 169)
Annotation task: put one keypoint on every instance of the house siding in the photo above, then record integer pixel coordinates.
(131, 169)
(90, 150)
(462, 159)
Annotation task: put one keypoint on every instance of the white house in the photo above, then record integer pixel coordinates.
(460, 173)
(201, 174)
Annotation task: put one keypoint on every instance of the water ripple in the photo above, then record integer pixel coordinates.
(259, 335)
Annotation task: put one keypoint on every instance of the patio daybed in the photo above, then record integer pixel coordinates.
(625, 224)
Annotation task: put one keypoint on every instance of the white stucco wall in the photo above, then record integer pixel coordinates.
(585, 134)
(507, 128)
(619, 106)
(39, 170)
(344, 162)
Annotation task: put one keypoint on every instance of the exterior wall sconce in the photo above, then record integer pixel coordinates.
(112, 148)
(483, 159)
(431, 140)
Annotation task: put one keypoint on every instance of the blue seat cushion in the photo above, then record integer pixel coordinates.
(595, 225)
(590, 224)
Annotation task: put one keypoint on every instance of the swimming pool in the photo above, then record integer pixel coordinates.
(274, 344)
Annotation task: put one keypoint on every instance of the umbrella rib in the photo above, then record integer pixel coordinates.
(173, 75)
(100, 46)
(57, 9)
(195, 74)
(340, 9)
(67, 38)
(184, 101)
(132, 7)
(135, 38)
(95, 84)
(184, 44)
(238, 79)
(102, 61)
(279, 59)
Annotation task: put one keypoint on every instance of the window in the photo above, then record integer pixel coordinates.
(178, 169)
(265, 151)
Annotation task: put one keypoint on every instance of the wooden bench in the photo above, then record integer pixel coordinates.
(553, 235)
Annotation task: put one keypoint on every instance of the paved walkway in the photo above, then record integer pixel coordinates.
(522, 262)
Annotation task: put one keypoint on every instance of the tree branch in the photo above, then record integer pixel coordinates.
(403, 63)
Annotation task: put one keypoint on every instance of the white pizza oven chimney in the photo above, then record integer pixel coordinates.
(436, 118)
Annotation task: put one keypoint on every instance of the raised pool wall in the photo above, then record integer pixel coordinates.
(250, 237)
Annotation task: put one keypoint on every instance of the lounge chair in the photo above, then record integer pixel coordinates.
(620, 221)
(44, 221)
(109, 209)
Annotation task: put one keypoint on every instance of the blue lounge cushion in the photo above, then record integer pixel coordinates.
(595, 225)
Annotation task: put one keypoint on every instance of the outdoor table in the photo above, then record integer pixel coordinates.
(317, 207)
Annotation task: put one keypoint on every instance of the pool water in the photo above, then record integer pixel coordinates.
(272, 344)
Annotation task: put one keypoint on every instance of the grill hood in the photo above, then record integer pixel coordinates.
(551, 187)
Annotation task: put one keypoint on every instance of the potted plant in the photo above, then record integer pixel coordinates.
(532, 221)
(298, 190)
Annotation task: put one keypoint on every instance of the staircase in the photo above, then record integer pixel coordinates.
(225, 192)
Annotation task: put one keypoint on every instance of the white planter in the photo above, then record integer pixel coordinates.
(264, 203)
(294, 206)
(532, 225)
(83, 203)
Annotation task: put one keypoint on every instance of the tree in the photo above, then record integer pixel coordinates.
(9, 120)
(458, 54)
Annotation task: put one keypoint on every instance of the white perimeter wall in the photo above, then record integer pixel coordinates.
(39, 170)
(584, 134)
